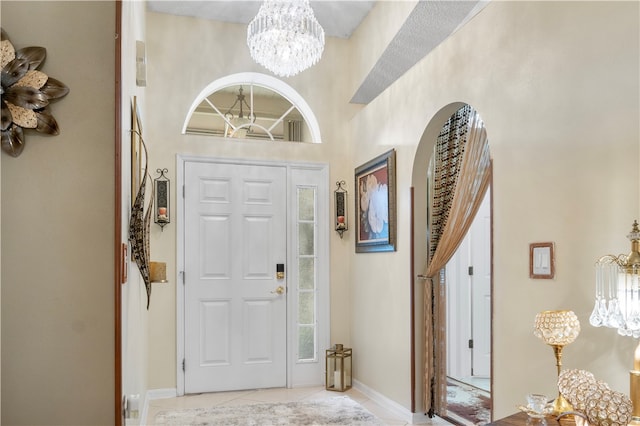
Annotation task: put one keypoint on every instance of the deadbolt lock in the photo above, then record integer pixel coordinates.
(280, 271)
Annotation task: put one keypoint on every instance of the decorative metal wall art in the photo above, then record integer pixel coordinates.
(136, 148)
(26, 95)
(139, 227)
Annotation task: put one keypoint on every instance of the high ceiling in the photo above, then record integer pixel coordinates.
(430, 23)
(338, 18)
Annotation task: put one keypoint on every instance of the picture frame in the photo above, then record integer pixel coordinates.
(375, 204)
(124, 263)
(141, 64)
(541, 260)
(136, 149)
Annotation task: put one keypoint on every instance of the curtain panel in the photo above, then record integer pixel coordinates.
(461, 175)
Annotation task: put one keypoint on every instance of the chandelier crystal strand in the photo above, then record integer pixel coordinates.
(285, 37)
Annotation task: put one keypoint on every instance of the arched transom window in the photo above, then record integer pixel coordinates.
(252, 106)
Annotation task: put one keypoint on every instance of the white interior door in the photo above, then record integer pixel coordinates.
(459, 312)
(469, 301)
(481, 289)
(234, 318)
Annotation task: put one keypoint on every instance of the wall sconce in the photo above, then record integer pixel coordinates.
(341, 208)
(161, 187)
(158, 272)
(338, 367)
(618, 278)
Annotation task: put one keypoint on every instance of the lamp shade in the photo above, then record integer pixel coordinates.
(557, 327)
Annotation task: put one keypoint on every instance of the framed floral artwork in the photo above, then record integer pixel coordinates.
(376, 204)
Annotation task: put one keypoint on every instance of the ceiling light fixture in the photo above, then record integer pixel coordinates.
(238, 126)
(285, 37)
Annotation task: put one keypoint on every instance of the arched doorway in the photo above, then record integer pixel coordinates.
(430, 344)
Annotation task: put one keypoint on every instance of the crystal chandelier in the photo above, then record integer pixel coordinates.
(285, 37)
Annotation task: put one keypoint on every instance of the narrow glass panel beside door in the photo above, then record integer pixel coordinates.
(307, 304)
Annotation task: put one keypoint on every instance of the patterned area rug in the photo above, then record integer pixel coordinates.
(467, 404)
(334, 411)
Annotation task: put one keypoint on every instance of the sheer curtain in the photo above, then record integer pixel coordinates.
(461, 171)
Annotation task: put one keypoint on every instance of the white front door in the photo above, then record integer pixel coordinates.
(235, 319)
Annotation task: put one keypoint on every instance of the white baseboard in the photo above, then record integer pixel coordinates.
(397, 409)
(161, 393)
(155, 394)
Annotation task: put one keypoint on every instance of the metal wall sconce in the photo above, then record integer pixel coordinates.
(158, 272)
(161, 187)
(341, 208)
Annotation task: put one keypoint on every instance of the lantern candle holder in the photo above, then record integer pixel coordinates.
(339, 368)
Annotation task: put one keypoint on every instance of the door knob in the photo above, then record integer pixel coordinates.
(279, 290)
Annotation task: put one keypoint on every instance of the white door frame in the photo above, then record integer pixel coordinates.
(298, 374)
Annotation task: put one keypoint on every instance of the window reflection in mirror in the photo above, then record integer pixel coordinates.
(248, 111)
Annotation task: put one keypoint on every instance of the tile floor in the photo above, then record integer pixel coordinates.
(479, 382)
(267, 395)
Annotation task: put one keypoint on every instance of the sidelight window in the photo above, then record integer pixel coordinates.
(307, 274)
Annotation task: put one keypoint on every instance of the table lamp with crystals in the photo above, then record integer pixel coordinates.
(557, 329)
(617, 304)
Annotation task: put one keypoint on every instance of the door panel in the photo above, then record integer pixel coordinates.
(235, 234)
(214, 324)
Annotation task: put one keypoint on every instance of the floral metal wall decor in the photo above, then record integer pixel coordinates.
(140, 223)
(26, 95)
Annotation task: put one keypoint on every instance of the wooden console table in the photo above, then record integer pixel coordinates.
(521, 418)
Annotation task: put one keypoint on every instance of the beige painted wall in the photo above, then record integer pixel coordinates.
(135, 335)
(556, 84)
(58, 227)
